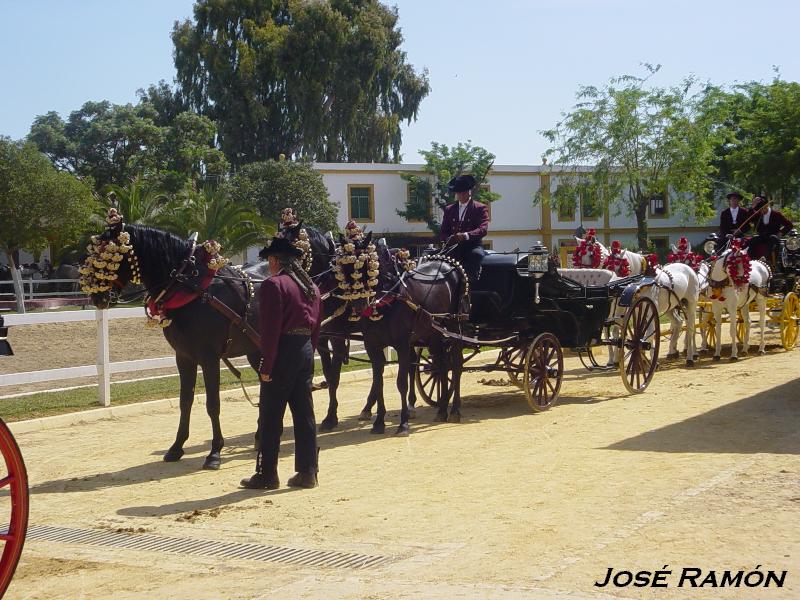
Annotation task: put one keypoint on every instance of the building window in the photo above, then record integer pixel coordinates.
(418, 199)
(485, 187)
(362, 203)
(565, 207)
(659, 206)
(590, 207)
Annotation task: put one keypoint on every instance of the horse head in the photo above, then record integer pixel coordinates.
(356, 269)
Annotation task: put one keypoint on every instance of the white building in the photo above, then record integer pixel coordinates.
(371, 194)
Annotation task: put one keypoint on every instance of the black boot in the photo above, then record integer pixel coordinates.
(303, 480)
(262, 481)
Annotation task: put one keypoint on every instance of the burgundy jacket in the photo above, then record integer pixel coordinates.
(283, 307)
(475, 223)
(728, 225)
(778, 224)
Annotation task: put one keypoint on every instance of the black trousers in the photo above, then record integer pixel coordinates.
(291, 384)
(470, 257)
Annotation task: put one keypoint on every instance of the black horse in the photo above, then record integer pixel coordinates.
(199, 334)
(406, 303)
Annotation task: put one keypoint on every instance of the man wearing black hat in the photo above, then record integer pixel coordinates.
(465, 224)
(734, 219)
(770, 224)
(289, 311)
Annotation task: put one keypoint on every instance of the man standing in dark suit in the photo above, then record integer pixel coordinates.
(290, 311)
(770, 225)
(734, 219)
(464, 225)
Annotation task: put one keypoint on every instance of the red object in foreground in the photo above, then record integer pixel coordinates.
(15, 479)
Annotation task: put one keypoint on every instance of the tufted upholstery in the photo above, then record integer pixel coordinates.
(589, 277)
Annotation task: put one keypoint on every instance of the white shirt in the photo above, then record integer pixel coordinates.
(766, 216)
(462, 210)
(734, 212)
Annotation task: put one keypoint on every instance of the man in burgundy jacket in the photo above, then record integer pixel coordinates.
(770, 225)
(289, 312)
(464, 225)
(734, 218)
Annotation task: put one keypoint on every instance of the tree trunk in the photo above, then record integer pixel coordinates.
(641, 223)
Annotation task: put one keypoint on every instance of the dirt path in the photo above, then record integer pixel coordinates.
(700, 471)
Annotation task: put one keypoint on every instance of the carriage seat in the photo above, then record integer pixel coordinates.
(589, 277)
(431, 270)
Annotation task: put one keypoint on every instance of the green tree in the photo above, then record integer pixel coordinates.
(761, 154)
(320, 80)
(212, 213)
(638, 142)
(114, 144)
(38, 204)
(271, 186)
(442, 163)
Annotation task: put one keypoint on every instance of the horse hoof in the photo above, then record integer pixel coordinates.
(365, 416)
(672, 355)
(440, 418)
(173, 455)
(328, 424)
(762, 352)
(378, 429)
(734, 358)
(690, 363)
(454, 418)
(717, 358)
(212, 463)
(402, 430)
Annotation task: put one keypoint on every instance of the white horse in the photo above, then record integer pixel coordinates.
(676, 292)
(637, 263)
(727, 294)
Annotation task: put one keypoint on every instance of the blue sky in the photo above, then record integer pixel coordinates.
(500, 70)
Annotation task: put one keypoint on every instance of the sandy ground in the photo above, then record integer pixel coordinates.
(700, 471)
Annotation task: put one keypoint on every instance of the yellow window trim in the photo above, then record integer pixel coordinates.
(371, 187)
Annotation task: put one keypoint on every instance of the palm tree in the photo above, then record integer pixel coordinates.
(215, 216)
(139, 202)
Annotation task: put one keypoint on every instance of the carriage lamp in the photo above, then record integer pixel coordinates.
(710, 246)
(793, 241)
(537, 265)
(537, 259)
(5, 345)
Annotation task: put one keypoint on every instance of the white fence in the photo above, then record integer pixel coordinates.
(29, 284)
(104, 368)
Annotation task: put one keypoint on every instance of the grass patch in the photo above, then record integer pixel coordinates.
(55, 403)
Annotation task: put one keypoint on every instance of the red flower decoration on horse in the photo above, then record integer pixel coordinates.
(616, 260)
(587, 246)
(685, 255)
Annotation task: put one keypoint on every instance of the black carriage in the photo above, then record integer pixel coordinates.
(529, 309)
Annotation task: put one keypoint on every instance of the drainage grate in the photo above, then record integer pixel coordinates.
(195, 547)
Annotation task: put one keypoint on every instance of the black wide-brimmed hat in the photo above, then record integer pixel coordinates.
(759, 202)
(732, 194)
(461, 183)
(279, 245)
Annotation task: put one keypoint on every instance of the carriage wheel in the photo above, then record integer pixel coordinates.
(640, 341)
(513, 359)
(428, 379)
(14, 488)
(789, 316)
(708, 328)
(740, 326)
(544, 369)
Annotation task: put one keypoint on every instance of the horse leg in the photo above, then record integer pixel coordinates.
(674, 334)
(746, 319)
(378, 361)
(733, 302)
(211, 378)
(691, 350)
(717, 307)
(332, 368)
(439, 362)
(761, 301)
(457, 362)
(403, 367)
(187, 369)
(412, 383)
